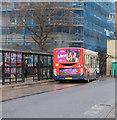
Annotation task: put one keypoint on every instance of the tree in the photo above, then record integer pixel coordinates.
(47, 16)
(102, 57)
(102, 61)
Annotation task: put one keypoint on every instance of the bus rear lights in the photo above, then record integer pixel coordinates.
(57, 64)
(81, 71)
(55, 73)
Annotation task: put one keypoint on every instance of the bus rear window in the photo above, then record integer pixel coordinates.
(68, 55)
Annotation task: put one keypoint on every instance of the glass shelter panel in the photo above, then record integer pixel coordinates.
(35, 68)
(45, 67)
(12, 67)
(1, 63)
(28, 69)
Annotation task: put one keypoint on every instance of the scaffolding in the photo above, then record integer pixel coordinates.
(83, 27)
(95, 22)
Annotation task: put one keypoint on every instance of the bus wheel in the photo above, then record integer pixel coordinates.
(97, 75)
(88, 77)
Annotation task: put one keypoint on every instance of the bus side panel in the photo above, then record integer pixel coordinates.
(86, 70)
(89, 72)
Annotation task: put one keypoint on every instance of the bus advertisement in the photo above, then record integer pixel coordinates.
(74, 64)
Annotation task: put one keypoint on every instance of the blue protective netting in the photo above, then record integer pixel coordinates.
(86, 22)
(95, 23)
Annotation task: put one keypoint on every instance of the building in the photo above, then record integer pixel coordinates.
(96, 21)
(85, 27)
(112, 48)
(115, 27)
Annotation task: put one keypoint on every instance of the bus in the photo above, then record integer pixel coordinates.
(75, 64)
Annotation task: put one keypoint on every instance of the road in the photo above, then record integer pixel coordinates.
(90, 100)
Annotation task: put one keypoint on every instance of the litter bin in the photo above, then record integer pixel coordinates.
(114, 68)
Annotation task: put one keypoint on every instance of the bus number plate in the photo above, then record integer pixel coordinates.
(68, 78)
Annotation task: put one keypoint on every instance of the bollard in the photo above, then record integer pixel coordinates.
(114, 73)
(110, 72)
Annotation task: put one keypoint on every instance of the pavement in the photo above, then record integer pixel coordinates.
(26, 83)
(30, 82)
(111, 113)
(17, 90)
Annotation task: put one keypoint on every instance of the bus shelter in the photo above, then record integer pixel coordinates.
(21, 65)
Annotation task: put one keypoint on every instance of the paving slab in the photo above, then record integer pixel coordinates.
(109, 113)
(26, 83)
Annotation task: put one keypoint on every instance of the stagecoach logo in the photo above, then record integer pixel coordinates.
(79, 64)
(61, 56)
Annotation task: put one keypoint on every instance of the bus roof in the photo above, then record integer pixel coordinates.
(68, 48)
(84, 50)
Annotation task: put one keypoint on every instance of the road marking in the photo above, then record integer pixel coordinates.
(91, 112)
(94, 110)
(98, 107)
(105, 105)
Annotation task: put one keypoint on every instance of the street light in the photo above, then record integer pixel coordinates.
(24, 35)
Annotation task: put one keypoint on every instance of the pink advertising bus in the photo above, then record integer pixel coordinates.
(75, 64)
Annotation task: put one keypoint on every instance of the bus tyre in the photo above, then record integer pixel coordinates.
(96, 74)
(88, 77)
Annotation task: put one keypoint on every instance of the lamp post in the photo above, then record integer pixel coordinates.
(24, 35)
